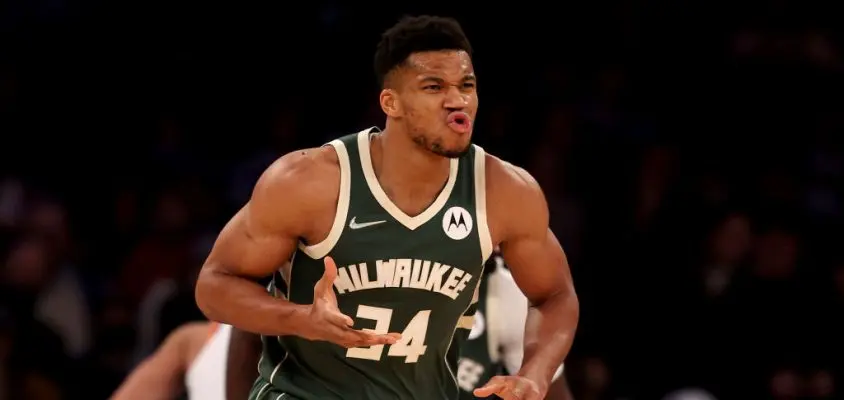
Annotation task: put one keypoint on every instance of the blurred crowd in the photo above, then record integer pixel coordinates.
(697, 186)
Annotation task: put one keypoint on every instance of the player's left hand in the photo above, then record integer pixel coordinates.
(512, 388)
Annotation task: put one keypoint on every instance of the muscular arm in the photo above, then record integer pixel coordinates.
(259, 239)
(160, 376)
(242, 363)
(538, 265)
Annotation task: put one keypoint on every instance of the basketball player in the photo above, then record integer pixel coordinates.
(497, 336)
(207, 360)
(389, 232)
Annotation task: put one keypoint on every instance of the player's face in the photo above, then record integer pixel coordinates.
(438, 100)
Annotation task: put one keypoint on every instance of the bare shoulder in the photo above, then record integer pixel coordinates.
(510, 176)
(299, 183)
(515, 201)
(306, 169)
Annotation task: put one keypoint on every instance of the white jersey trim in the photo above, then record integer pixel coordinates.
(206, 376)
(480, 203)
(322, 248)
(381, 197)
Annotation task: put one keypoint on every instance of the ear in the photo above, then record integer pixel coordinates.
(390, 103)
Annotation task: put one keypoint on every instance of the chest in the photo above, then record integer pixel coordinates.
(438, 261)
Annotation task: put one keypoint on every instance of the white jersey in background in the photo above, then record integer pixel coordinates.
(506, 313)
(205, 379)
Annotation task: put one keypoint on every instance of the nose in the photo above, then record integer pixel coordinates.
(455, 99)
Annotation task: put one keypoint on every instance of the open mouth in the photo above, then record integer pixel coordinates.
(459, 122)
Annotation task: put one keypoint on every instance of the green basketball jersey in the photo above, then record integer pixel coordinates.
(416, 275)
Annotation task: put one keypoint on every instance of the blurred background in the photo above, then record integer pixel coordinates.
(692, 154)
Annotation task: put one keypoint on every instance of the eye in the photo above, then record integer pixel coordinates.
(432, 88)
(469, 85)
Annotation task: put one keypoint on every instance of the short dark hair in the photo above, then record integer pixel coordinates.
(417, 34)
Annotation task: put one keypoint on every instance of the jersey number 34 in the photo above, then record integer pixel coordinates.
(410, 346)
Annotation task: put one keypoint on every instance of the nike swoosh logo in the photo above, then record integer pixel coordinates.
(354, 225)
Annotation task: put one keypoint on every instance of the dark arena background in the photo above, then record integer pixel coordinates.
(691, 154)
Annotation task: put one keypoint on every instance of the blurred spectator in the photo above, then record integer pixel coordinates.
(11, 203)
(163, 252)
(728, 248)
(37, 352)
(62, 303)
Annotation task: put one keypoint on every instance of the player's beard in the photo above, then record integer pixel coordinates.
(437, 148)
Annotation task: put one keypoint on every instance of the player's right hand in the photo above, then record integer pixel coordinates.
(331, 325)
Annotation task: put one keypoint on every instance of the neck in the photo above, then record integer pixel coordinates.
(398, 160)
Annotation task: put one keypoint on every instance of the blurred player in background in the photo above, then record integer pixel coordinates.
(205, 360)
(495, 344)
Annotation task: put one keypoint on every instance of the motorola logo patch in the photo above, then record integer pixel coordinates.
(457, 223)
